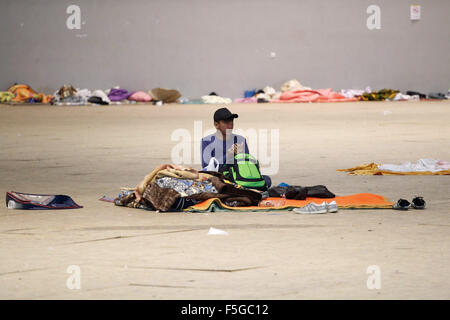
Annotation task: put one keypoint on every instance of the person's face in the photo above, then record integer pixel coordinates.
(224, 125)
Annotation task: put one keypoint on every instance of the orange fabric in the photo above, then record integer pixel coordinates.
(321, 95)
(354, 201)
(23, 92)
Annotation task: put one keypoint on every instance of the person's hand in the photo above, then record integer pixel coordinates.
(238, 148)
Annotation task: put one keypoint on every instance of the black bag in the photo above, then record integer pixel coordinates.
(291, 192)
(301, 193)
(320, 191)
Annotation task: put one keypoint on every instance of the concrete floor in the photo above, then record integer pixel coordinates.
(124, 253)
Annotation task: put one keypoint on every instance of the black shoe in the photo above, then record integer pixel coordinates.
(418, 203)
(402, 204)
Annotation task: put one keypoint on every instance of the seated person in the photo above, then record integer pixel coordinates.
(224, 144)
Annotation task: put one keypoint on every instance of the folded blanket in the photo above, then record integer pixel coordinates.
(355, 201)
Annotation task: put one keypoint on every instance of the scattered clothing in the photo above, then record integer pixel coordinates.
(415, 93)
(404, 97)
(437, 96)
(213, 165)
(5, 96)
(160, 198)
(24, 93)
(168, 170)
(66, 91)
(68, 95)
(140, 96)
(84, 94)
(293, 85)
(283, 184)
(422, 167)
(97, 100)
(382, 95)
(117, 94)
(163, 189)
(321, 95)
(190, 101)
(249, 93)
(186, 187)
(354, 93)
(99, 97)
(246, 100)
(29, 201)
(267, 95)
(213, 99)
(165, 95)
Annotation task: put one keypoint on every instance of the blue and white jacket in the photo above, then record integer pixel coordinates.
(215, 146)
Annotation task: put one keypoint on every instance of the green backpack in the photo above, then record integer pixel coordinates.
(245, 172)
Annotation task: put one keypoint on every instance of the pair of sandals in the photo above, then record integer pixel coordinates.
(417, 203)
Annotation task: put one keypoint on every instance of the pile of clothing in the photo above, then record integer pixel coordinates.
(262, 96)
(421, 167)
(6, 96)
(214, 98)
(294, 92)
(69, 95)
(164, 95)
(173, 188)
(22, 93)
(384, 94)
(391, 95)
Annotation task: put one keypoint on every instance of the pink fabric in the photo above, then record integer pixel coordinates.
(246, 100)
(321, 95)
(140, 96)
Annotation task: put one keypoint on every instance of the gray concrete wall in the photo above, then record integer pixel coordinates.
(199, 46)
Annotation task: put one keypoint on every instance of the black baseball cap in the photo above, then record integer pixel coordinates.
(224, 114)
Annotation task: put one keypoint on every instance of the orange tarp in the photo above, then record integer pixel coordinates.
(354, 201)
